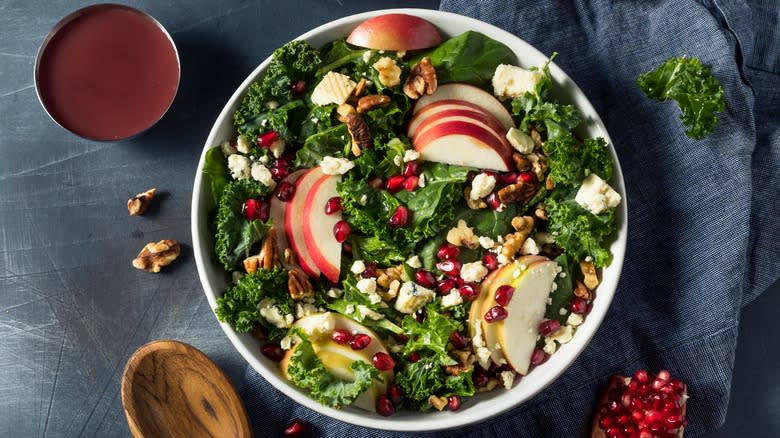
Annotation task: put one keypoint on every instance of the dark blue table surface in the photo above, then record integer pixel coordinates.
(72, 309)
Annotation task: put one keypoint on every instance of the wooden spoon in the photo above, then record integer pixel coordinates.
(171, 389)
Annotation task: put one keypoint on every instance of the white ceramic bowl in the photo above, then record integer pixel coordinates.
(482, 406)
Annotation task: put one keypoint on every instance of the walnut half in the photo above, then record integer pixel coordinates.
(138, 204)
(421, 80)
(156, 255)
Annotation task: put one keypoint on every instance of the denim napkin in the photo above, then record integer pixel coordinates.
(704, 215)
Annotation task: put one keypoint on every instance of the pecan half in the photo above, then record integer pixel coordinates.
(299, 285)
(138, 204)
(268, 257)
(156, 255)
(372, 101)
(518, 192)
(358, 130)
(421, 80)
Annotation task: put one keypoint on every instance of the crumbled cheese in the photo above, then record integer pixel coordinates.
(513, 81)
(367, 55)
(286, 342)
(335, 166)
(227, 148)
(451, 299)
(334, 293)
(421, 181)
(549, 346)
(521, 141)
(486, 242)
(322, 325)
(333, 88)
(530, 247)
(277, 148)
(411, 155)
(263, 175)
(365, 312)
(562, 335)
(595, 195)
(273, 315)
(588, 259)
(272, 105)
(412, 297)
(400, 54)
(483, 356)
(397, 348)
(349, 309)
(243, 144)
(304, 309)
(239, 166)
(264, 159)
(562, 311)
(474, 271)
(414, 262)
(502, 259)
(398, 160)
(367, 285)
(237, 276)
(358, 266)
(392, 289)
(363, 199)
(477, 340)
(482, 185)
(508, 377)
(374, 298)
(543, 238)
(562, 275)
(575, 319)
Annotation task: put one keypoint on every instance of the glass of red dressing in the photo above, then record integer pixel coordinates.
(107, 72)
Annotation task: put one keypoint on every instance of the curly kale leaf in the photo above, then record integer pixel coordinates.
(330, 142)
(579, 232)
(282, 119)
(352, 299)
(688, 82)
(571, 161)
(432, 334)
(216, 169)
(375, 249)
(238, 305)
(236, 235)
(426, 377)
(307, 371)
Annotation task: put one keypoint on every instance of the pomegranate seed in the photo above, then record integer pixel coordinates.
(376, 182)
(384, 406)
(264, 211)
(333, 205)
(410, 183)
(458, 340)
(625, 399)
(279, 173)
(412, 168)
(468, 292)
(286, 160)
(492, 173)
(295, 429)
(450, 268)
(493, 201)
(653, 416)
(395, 393)
(614, 432)
(359, 341)
(347, 247)
(285, 191)
(251, 209)
(674, 421)
(370, 271)
(538, 357)
(266, 139)
(605, 422)
(490, 260)
(678, 386)
(425, 279)
(400, 217)
(479, 377)
(507, 178)
(624, 419)
(549, 326)
(420, 315)
(298, 87)
(496, 313)
(414, 356)
(395, 183)
(641, 376)
(447, 251)
(273, 351)
(578, 305)
(504, 294)
(382, 361)
(460, 281)
(527, 177)
(341, 336)
(453, 402)
(445, 285)
(341, 231)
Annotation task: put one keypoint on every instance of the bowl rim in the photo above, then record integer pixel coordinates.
(416, 422)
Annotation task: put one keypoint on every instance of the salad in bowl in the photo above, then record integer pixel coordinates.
(396, 215)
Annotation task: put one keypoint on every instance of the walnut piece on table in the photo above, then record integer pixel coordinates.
(138, 204)
(156, 255)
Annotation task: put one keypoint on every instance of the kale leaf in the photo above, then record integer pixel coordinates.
(571, 161)
(579, 232)
(432, 334)
(688, 82)
(216, 170)
(236, 235)
(238, 305)
(426, 377)
(330, 142)
(470, 57)
(307, 371)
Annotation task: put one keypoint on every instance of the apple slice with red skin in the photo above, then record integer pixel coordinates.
(469, 93)
(399, 32)
(464, 143)
(318, 236)
(293, 220)
(488, 122)
(277, 211)
(450, 105)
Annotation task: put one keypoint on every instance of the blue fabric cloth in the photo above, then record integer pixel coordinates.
(704, 216)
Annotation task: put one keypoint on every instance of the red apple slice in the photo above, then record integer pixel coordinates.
(470, 93)
(318, 236)
(277, 213)
(480, 119)
(446, 105)
(465, 144)
(293, 220)
(398, 32)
